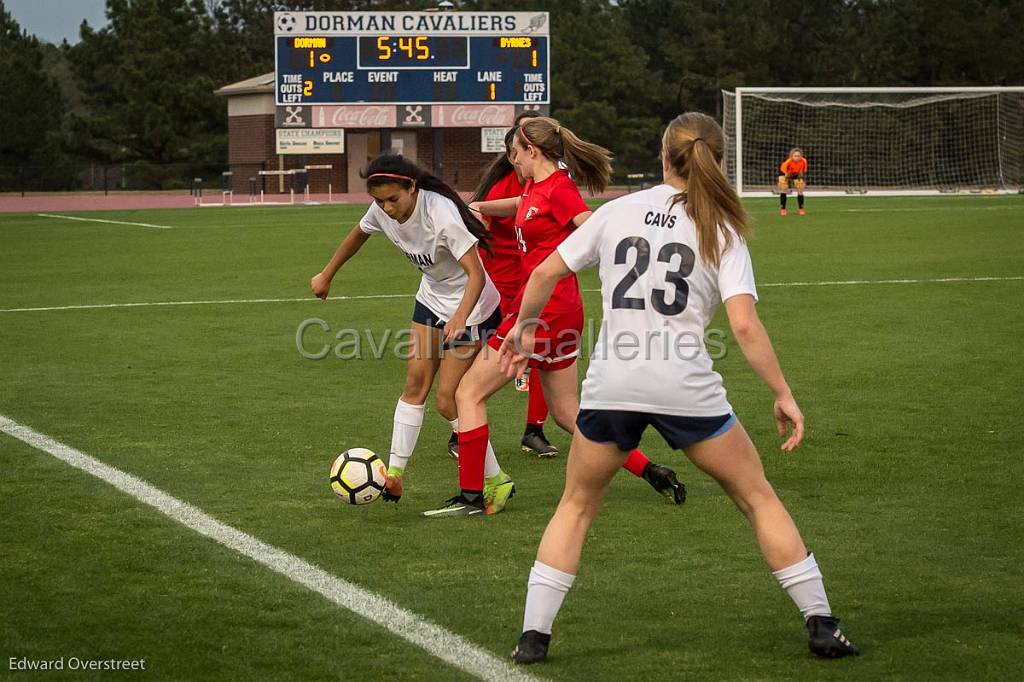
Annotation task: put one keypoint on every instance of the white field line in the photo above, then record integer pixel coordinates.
(100, 220)
(434, 639)
(235, 301)
(228, 301)
(860, 282)
(1017, 207)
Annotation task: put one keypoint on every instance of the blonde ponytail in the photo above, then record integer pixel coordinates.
(693, 144)
(588, 162)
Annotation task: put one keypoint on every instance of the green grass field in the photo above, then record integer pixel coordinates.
(907, 486)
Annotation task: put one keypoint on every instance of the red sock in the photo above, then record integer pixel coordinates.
(472, 452)
(635, 463)
(537, 411)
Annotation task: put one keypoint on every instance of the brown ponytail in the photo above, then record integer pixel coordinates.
(501, 166)
(589, 162)
(693, 144)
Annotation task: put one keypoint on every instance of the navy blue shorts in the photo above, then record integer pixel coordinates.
(477, 332)
(625, 428)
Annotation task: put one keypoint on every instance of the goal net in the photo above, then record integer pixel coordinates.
(879, 141)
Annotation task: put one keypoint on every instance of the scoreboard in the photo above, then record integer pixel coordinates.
(411, 57)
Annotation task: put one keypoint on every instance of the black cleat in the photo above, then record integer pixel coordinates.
(453, 446)
(532, 647)
(536, 442)
(663, 479)
(459, 505)
(827, 640)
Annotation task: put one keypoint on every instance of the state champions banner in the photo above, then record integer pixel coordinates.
(310, 141)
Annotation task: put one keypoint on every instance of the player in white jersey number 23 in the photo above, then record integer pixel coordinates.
(668, 256)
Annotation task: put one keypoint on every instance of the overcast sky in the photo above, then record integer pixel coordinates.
(55, 20)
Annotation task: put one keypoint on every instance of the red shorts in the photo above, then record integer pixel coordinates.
(558, 338)
(509, 296)
(506, 302)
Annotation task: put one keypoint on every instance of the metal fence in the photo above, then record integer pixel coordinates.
(110, 177)
(129, 177)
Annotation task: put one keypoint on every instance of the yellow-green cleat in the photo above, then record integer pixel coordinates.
(393, 485)
(498, 490)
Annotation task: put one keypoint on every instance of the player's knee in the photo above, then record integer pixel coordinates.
(446, 404)
(417, 386)
(467, 394)
(579, 502)
(564, 416)
(754, 497)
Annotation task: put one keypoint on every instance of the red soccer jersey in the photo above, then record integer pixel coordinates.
(544, 219)
(506, 265)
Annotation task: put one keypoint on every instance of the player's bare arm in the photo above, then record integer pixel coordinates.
(497, 207)
(581, 218)
(320, 284)
(757, 349)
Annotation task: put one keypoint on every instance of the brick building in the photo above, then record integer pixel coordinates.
(449, 140)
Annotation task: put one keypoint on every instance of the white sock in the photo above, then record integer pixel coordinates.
(406, 431)
(455, 424)
(491, 467)
(804, 585)
(547, 589)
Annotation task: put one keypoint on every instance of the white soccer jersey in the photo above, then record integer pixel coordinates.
(658, 297)
(434, 238)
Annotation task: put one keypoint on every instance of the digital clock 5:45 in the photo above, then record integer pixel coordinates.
(431, 52)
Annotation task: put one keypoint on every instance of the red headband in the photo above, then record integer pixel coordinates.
(391, 175)
(522, 131)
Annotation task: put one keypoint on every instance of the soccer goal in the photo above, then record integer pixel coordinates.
(900, 141)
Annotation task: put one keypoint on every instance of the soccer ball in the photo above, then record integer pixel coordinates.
(358, 476)
(286, 22)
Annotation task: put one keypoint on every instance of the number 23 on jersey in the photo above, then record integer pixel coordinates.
(662, 300)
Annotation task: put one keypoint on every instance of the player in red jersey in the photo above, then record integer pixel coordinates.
(548, 211)
(505, 267)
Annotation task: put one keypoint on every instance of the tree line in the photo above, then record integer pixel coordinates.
(140, 89)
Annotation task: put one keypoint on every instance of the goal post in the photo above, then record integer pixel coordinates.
(900, 141)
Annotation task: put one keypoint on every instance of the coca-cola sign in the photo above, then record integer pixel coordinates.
(473, 115)
(354, 116)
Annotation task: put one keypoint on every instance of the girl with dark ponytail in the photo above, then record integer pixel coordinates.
(396, 169)
(456, 306)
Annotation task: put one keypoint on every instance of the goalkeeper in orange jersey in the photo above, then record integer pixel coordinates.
(793, 170)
